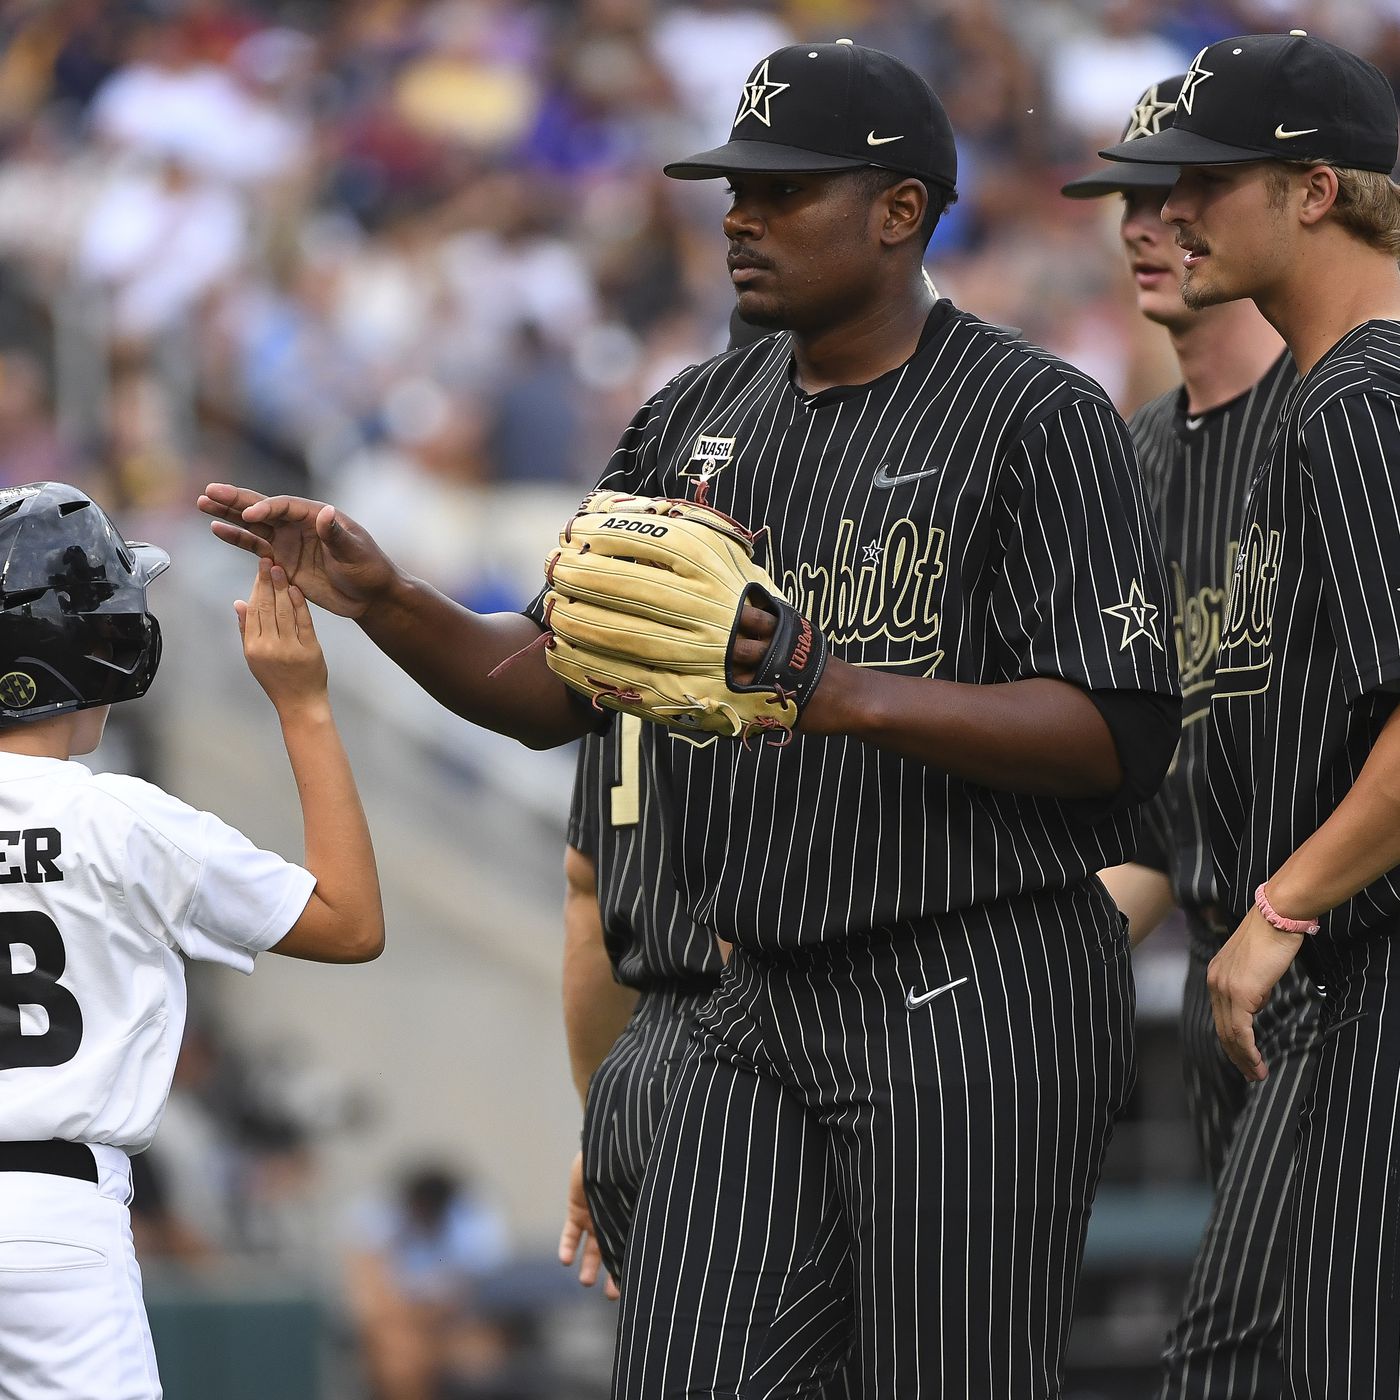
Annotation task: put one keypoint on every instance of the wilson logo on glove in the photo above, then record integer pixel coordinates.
(803, 649)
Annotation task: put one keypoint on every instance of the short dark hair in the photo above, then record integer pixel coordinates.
(875, 179)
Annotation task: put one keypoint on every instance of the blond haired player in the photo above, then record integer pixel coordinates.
(109, 884)
(1286, 145)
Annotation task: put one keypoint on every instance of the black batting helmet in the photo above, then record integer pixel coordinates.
(74, 628)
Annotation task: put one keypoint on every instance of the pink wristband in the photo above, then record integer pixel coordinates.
(1261, 903)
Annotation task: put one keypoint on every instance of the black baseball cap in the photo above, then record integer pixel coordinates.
(818, 107)
(1153, 113)
(1276, 97)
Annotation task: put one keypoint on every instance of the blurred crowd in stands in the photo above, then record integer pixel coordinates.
(404, 250)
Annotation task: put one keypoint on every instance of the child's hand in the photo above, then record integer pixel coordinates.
(279, 641)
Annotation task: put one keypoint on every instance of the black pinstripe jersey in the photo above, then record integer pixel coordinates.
(974, 515)
(1310, 660)
(1196, 471)
(621, 806)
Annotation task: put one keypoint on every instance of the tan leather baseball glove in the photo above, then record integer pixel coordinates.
(645, 599)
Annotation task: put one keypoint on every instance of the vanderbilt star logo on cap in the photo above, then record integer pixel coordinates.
(1155, 111)
(758, 93)
(1195, 76)
(1149, 114)
(820, 108)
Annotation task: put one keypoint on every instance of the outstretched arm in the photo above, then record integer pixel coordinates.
(343, 920)
(449, 650)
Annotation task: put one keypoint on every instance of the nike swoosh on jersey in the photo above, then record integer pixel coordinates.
(1194, 423)
(885, 478)
(913, 1003)
(1281, 135)
(873, 140)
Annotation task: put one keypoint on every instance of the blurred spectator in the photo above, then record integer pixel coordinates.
(238, 121)
(419, 489)
(159, 240)
(1096, 74)
(416, 1260)
(535, 435)
(31, 447)
(289, 209)
(234, 1165)
(708, 48)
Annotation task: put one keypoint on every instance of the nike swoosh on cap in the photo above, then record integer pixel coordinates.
(885, 478)
(873, 140)
(1281, 135)
(913, 1003)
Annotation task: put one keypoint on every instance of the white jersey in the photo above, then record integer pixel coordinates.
(105, 881)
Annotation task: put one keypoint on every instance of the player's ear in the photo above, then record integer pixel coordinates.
(1318, 193)
(904, 205)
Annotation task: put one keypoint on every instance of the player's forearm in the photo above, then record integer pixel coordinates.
(596, 1007)
(1039, 736)
(1142, 894)
(1357, 844)
(451, 651)
(338, 849)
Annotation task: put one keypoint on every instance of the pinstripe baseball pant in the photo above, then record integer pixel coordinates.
(1227, 1343)
(914, 1182)
(1341, 1325)
(625, 1099)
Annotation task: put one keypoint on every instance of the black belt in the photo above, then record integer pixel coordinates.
(52, 1158)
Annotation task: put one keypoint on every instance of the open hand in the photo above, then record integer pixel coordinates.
(279, 640)
(334, 561)
(578, 1240)
(1240, 978)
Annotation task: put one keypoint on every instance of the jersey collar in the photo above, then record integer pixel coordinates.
(838, 393)
(27, 765)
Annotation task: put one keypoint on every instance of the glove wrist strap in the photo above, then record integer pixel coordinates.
(796, 657)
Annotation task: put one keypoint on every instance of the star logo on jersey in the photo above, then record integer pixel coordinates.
(1195, 76)
(17, 690)
(1148, 115)
(1138, 616)
(870, 553)
(708, 458)
(759, 92)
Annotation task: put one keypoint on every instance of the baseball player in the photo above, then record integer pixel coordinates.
(1198, 445)
(110, 883)
(893, 1117)
(633, 961)
(1285, 145)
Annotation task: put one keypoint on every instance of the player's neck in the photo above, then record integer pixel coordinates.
(880, 338)
(42, 738)
(1342, 284)
(1223, 352)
